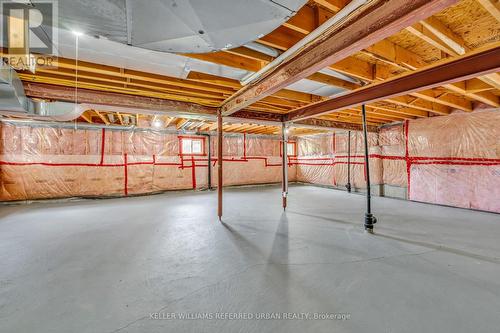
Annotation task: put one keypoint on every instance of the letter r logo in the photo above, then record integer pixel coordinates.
(28, 27)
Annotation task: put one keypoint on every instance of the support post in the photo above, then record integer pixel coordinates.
(370, 220)
(348, 185)
(209, 158)
(219, 164)
(284, 141)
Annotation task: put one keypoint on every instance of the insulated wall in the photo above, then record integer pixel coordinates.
(323, 159)
(452, 160)
(455, 160)
(40, 161)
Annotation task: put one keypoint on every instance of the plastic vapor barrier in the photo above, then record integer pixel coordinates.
(323, 159)
(452, 160)
(455, 160)
(41, 161)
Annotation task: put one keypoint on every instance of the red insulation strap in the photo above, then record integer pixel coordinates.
(103, 144)
(193, 172)
(422, 161)
(125, 168)
(457, 163)
(461, 159)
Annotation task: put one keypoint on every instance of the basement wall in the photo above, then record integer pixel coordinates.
(43, 161)
(452, 160)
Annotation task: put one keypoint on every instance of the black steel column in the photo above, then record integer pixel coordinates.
(370, 220)
(348, 185)
(284, 163)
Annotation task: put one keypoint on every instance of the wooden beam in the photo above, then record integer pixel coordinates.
(213, 79)
(444, 98)
(349, 119)
(333, 5)
(492, 79)
(492, 6)
(333, 81)
(102, 117)
(391, 114)
(395, 55)
(181, 122)
(351, 66)
(475, 86)
(485, 97)
(454, 45)
(120, 118)
(87, 117)
(169, 120)
(221, 81)
(261, 116)
(117, 72)
(447, 71)
(416, 103)
(227, 59)
(423, 33)
(374, 114)
(373, 25)
(303, 21)
(52, 92)
(110, 87)
(315, 122)
(60, 93)
(402, 112)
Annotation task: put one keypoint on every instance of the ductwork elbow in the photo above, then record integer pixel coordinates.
(13, 101)
(56, 111)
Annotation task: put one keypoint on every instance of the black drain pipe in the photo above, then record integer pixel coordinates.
(284, 164)
(370, 220)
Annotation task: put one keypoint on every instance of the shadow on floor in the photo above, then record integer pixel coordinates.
(326, 218)
(441, 248)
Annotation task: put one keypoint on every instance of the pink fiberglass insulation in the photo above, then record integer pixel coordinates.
(322, 159)
(41, 162)
(452, 160)
(250, 160)
(455, 160)
(392, 144)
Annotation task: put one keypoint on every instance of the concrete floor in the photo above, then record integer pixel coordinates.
(109, 265)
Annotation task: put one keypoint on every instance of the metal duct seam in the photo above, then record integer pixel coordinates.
(267, 50)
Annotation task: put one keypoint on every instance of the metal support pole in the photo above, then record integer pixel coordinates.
(219, 164)
(370, 220)
(284, 163)
(209, 147)
(348, 185)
